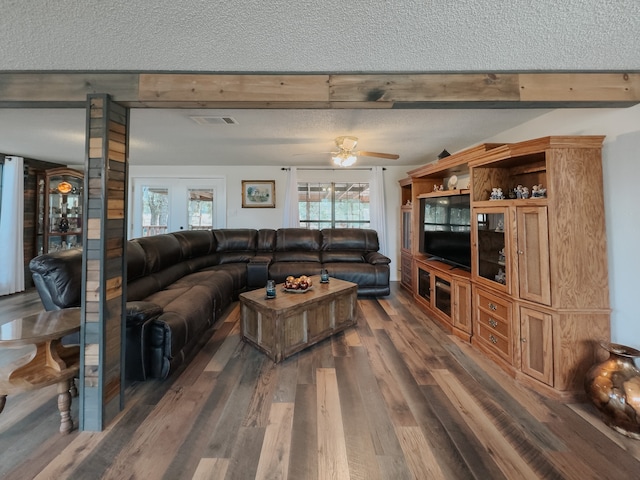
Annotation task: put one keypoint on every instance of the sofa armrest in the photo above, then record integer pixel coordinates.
(376, 258)
(258, 271)
(140, 312)
(139, 316)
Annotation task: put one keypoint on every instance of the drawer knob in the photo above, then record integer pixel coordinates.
(493, 339)
(493, 323)
(492, 307)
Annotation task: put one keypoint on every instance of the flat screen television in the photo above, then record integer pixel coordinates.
(446, 225)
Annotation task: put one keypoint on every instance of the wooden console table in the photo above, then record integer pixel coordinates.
(291, 322)
(50, 363)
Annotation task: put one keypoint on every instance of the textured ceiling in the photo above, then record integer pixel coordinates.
(329, 36)
(320, 36)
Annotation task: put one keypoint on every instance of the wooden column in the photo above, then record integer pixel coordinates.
(104, 263)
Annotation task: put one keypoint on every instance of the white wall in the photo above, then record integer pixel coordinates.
(238, 217)
(621, 164)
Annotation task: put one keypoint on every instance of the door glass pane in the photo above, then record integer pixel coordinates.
(443, 296)
(424, 284)
(491, 243)
(155, 210)
(200, 209)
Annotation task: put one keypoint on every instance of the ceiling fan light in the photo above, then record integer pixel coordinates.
(344, 159)
(350, 160)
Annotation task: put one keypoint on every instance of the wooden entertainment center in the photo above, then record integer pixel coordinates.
(536, 299)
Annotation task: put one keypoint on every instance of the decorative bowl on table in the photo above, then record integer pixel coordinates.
(299, 284)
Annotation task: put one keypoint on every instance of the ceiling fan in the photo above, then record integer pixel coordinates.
(346, 156)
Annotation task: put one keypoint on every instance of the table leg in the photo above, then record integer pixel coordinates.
(3, 400)
(64, 405)
(73, 390)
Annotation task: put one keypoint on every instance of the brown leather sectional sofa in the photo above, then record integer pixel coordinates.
(179, 284)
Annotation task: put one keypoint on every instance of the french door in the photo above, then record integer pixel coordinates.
(163, 205)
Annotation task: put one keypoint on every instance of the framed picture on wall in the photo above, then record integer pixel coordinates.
(258, 193)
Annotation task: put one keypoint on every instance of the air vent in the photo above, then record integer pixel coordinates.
(215, 120)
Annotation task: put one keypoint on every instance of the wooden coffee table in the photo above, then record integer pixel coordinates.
(292, 322)
(50, 363)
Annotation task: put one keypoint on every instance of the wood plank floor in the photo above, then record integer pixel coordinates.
(393, 398)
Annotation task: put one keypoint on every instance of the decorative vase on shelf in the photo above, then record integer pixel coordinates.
(614, 388)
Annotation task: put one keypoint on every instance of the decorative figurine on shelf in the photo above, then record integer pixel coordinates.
(435, 188)
(501, 257)
(501, 277)
(500, 226)
(496, 194)
(522, 192)
(537, 191)
(63, 225)
(441, 188)
(518, 191)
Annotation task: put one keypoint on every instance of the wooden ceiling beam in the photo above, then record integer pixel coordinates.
(359, 91)
(462, 87)
(233, 88)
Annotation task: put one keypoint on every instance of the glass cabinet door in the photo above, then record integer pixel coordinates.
(406, 230)
(491, 247)
(443, 294)
(424, 284)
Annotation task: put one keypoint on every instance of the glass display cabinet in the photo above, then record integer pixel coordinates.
(491, 245)
(59, 210)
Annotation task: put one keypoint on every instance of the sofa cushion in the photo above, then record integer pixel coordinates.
(232, 240)
(161, 251)
(237, 272)
(364, 274)
(195, 243)
(140, 288)
(350, 256)
(266, 240)
(361, 239)
(235, 245)
(279, 271)
(297, 245)
(292, 239)
(136, 261)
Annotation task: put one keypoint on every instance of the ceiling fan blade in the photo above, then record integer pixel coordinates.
(312, 153)
(389, 156)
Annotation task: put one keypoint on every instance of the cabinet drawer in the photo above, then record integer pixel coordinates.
(495, 323)
(490, 337)
(497, 307)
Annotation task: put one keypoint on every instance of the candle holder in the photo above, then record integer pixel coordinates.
(324, 276)
(271, 289)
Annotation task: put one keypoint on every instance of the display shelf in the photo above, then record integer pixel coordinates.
(444, 193)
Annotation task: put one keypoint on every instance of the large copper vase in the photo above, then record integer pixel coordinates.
(614, 388)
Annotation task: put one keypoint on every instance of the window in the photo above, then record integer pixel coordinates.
(334, 204)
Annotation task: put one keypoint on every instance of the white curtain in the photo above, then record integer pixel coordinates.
(291, 216)
(11, 227)
(377, 212)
